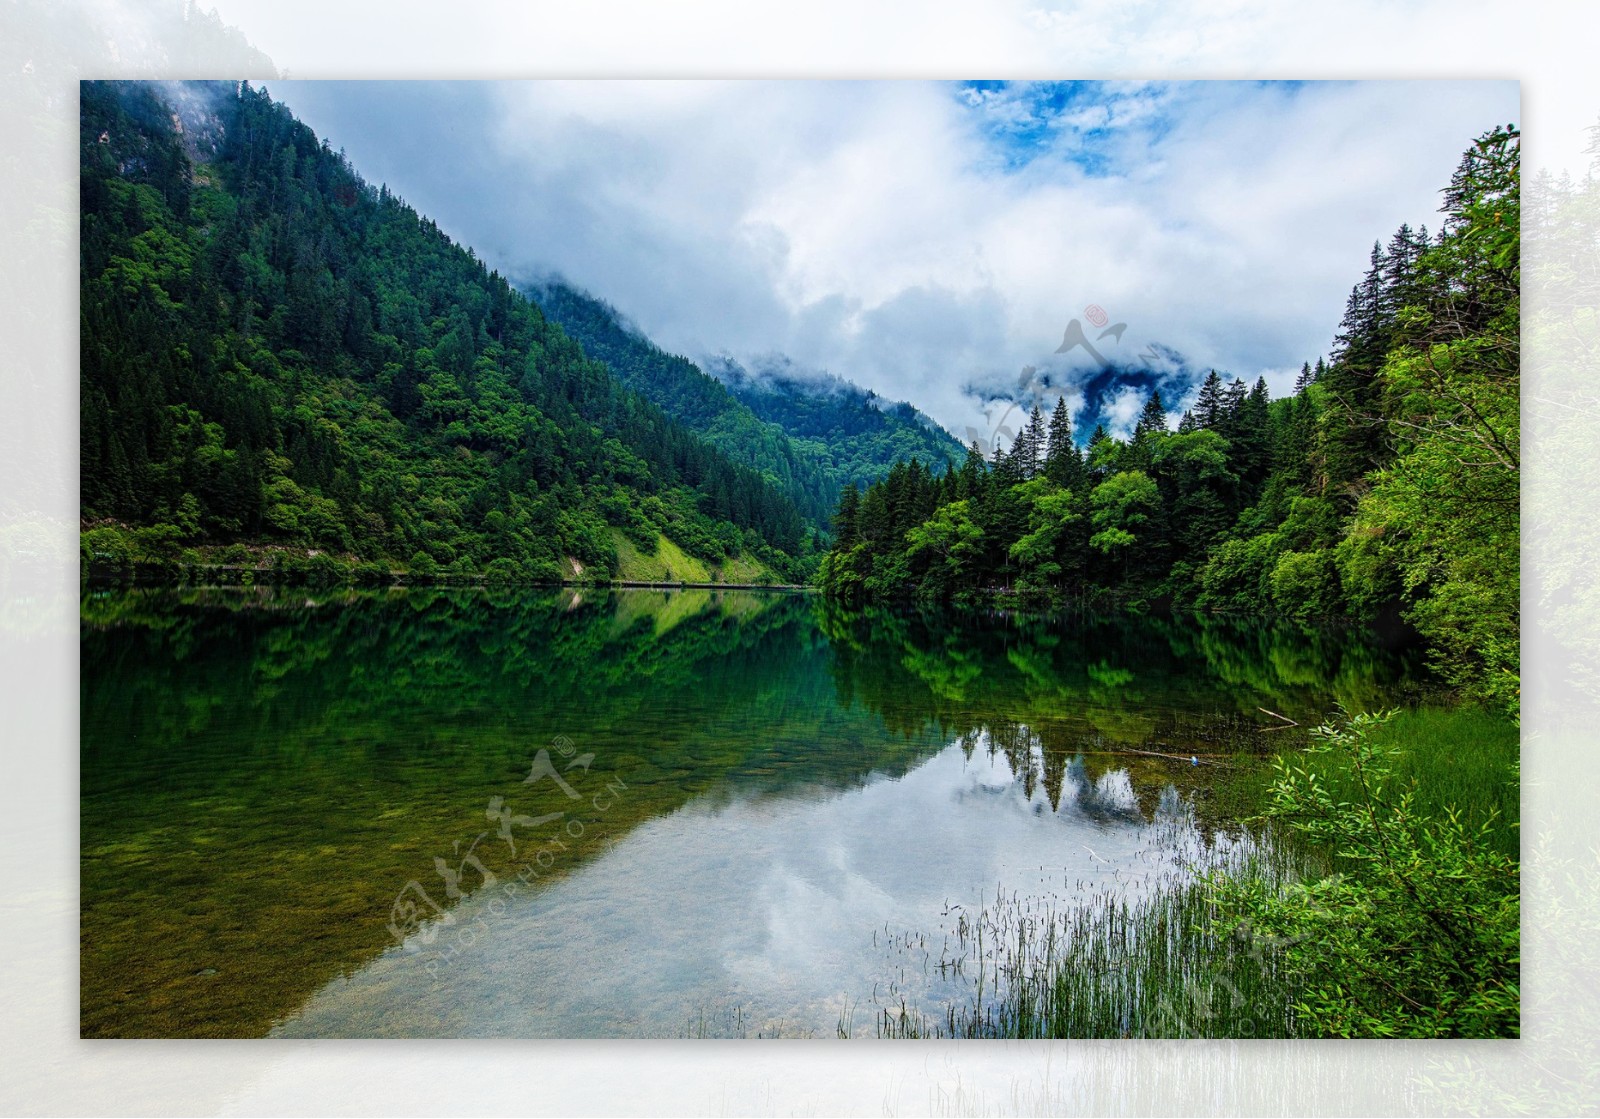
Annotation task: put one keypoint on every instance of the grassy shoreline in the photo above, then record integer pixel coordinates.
(1181, 962)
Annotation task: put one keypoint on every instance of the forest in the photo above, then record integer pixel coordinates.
(1386, 484)
(808, 436)
(286, 368)
(289, 375)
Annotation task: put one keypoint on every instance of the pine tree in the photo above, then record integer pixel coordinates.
(1251, 450)
(1060, 433)
(1063, 463)
(1036, 444)
(1153, 420)
(1354, 432)
(1208, 405)
(1233, 398)
(1099, 453)
(970, 484)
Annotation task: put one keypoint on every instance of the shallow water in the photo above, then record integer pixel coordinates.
(337, 814)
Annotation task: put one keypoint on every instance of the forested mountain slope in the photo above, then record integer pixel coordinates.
(279, 357)
(859, 434)
(809, 436)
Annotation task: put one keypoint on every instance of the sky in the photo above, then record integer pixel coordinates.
(933, 241)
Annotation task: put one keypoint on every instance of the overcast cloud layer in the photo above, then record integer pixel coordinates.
(930, 240)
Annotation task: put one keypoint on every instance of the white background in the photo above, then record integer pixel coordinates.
(45, 49)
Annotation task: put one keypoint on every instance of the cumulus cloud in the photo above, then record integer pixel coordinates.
(929, 240)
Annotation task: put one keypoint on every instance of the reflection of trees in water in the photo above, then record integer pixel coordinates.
(1126, 681)
(321, 751)
(1053, 757)
(352, 658)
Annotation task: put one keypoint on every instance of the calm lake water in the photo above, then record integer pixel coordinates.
(589, 814)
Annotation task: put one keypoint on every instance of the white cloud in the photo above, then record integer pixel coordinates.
(915, 238)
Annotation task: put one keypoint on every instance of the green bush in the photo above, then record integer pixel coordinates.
(1368, 571)
(424, 568)
(1415, 930)
(503, 571)
(1236, 576)
(107, 547)
(1305, 585)
(302, 569)
(369, 573)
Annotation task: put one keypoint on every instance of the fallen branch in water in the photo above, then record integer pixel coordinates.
(1154, 754)
(1275, 715)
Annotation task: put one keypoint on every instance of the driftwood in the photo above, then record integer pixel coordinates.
(1275, 715)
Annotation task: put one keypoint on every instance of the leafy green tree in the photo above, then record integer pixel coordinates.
(1040, 555)
(1122, 506)
(952, 541)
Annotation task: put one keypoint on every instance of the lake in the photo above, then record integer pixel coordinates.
(593, 813)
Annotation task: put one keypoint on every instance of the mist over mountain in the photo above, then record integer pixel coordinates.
(809, 432)
(816, 404)
(1108, 389)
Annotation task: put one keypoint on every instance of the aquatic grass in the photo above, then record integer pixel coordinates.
(1416, 931)
(1157, 961)
(1463, 758)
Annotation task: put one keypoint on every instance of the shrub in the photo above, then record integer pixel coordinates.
(1415, 930)
(1236, 576)
(424, 568)
(1305, 585)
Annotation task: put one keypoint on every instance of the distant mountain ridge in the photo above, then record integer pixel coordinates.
(808, 434)
(861, 432)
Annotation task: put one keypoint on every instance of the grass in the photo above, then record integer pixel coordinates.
(1461, 757)
(1157, 965)
(671, 564)
(1164, 964)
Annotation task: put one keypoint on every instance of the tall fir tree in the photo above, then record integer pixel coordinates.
(1208, 411)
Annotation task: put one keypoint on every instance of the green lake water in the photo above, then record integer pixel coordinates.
(592, 814)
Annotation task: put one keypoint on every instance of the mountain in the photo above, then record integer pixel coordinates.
(1108, 392)
(682, 390)
(810, 435)
(280, 361)
(859, 433)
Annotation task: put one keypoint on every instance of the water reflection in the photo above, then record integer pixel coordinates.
(262, 774)
(761, 916)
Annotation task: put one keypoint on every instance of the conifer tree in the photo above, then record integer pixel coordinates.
(1208, 408)
(1153, 419)
(1036, 444)
(846, 528)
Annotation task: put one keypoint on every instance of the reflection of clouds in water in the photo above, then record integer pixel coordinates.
(771, 904)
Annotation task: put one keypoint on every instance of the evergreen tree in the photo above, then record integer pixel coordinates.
(1209, 410)
(970, 484)
(846, 526)
(1036, 444)
(1100, 455)
(1059, 442)
(1153, 419)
